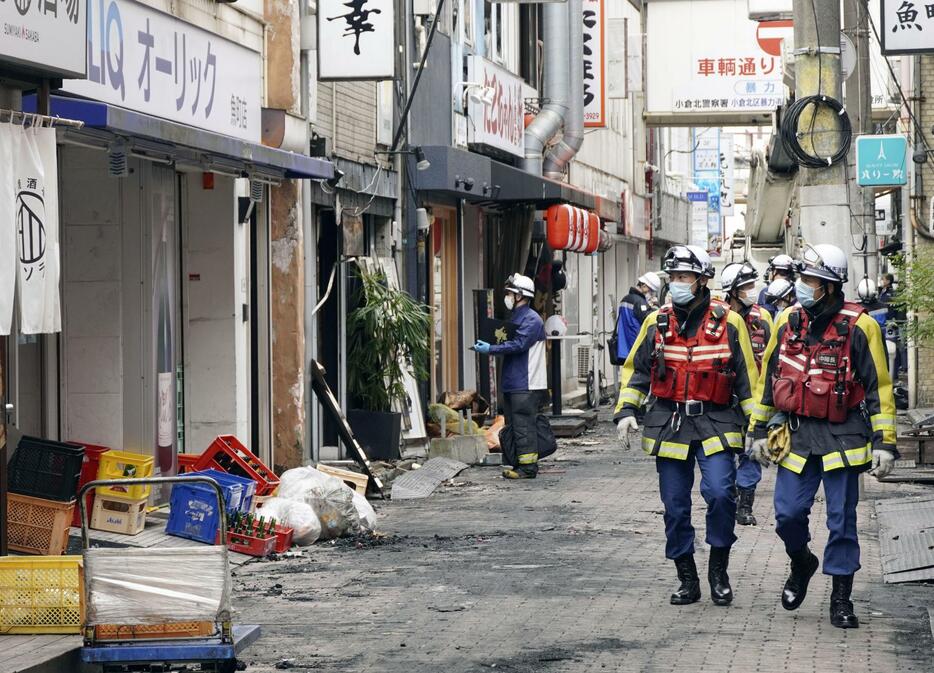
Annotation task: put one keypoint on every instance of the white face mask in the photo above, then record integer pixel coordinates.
(510, 301)
(747, 299)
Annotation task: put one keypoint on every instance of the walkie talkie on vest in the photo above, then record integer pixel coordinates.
(658, 354)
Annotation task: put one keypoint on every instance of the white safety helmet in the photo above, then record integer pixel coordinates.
(824, 261)
(780, 289)
(737, 274)
(782, 263)
(866, 290)
(520, 284)
(651, 281)
(691, 258)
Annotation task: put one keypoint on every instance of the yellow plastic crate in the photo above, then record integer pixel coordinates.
(124, 465)
(41, 594)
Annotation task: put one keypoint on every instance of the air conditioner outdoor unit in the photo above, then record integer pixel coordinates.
(583, 363)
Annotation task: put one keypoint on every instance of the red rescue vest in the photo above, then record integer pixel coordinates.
(693, 368)
(817, 380)
(757, 334)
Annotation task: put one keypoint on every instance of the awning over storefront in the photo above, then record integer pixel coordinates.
(183, 144)
(478, 178)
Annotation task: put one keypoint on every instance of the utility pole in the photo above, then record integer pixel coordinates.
(859, 106)
(824, 202)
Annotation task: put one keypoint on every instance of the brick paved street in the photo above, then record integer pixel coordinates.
(567, 573)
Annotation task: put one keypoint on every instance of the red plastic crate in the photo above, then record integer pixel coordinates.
(92, 457)
(187, 461)
(245, 543)
(227, 454)
(283, 539)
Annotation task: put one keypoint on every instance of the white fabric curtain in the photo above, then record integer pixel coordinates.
(36, 228)
(9, 135)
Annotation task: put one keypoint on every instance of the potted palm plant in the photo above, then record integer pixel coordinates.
(389, 333)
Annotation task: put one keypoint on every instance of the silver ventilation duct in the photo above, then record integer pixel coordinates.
(561, 154)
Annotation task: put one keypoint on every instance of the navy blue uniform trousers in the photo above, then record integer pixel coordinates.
(794, 496)
(748, 473)
(676, 481)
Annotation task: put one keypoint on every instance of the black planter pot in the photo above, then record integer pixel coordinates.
(378, 432)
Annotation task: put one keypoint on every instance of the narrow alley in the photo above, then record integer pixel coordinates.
(567, 573)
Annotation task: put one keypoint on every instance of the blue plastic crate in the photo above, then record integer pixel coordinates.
(194, 512)
(244, 486)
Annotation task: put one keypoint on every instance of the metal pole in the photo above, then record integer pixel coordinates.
(824, 202)
(859, 106)
(556, 409)
(3, 449)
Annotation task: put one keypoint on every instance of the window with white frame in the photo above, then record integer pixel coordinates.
(501, 33)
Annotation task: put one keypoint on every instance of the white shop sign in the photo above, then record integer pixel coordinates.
(356, 39)
(144, 60)
(502, 124)
(46, 36)
(705, 58)
(594, 64)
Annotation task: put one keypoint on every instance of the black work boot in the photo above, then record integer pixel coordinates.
(803, 566)
(689, 591)
(744, 500)
(841, 607)
(720, 591)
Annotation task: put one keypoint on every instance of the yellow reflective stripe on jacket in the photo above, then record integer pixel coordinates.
(712, 445)
(528, 458)
(762, 412)
(648, 444)
(631, 396)
(884, 423)
(749, 406)
(674, 450)
(734, 439)
(794, 462)
(854, 457)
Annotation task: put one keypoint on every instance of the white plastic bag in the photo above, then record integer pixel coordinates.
(365, 511)
(330, 498)
(299, 516)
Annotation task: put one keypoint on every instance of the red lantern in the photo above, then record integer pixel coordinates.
(572, 228)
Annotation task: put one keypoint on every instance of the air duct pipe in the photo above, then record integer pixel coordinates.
(561, 154)
(556, 88)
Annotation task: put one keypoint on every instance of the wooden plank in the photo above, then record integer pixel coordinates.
(39, 654)
(355, 480)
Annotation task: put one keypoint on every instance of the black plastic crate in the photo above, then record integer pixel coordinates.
(45, 469)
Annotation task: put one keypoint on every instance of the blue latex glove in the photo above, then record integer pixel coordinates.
(482, 347)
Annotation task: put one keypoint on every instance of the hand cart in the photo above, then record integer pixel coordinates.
(117, 578)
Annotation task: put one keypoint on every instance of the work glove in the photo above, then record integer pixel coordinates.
(482, 347)
(758, 450)
(624, 426)
(882, 463)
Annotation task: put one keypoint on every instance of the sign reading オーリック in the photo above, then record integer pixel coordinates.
(144, 60)
(706, 59)
(47, 37)
(882, 161)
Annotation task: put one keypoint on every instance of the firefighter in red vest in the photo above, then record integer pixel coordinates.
(826, 372)
(694, 358)
(738, 282)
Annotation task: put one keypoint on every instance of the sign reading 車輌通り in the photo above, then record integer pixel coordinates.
(151, 62)
(45, 38)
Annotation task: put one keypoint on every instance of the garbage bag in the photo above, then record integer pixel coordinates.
(299, 516)
(365, 511)
(458, 400)
(330, 498)
(547, 444)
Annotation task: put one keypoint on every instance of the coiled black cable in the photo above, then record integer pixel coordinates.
(790, 136)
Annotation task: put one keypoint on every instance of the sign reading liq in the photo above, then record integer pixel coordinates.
(881, 160)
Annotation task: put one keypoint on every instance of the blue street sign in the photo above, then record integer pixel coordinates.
(882, 161)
